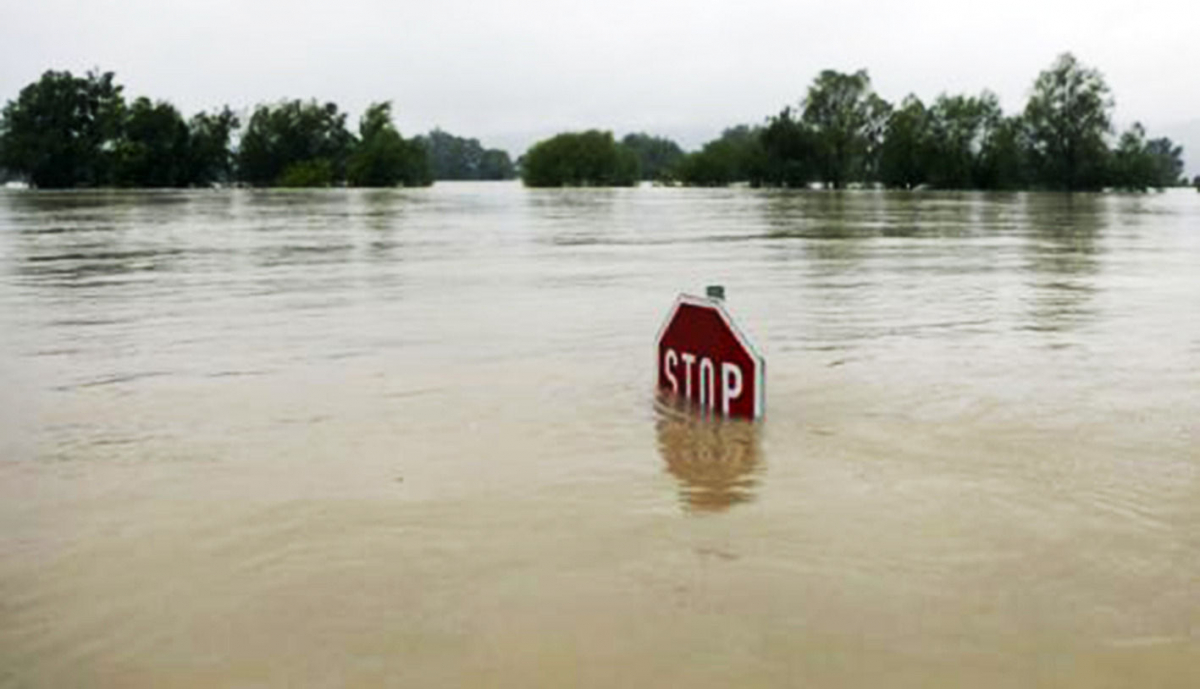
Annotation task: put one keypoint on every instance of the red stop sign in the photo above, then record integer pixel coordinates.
(705, 359)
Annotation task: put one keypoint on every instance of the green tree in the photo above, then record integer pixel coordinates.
(657, 156)
(1168, 162)
(1140, 165)
(62, 129)
(847, 119)
(495, 165)
(1002, 163)
(153, 150)
(209, 157)
(1068, 116)
(789, 155)
(590, 159)
(295, 143)
(452, 157)
(907, 146)
(382, 158)
(313, 172)
(1131, 168)
(737, 156)
(960, 127)
(457, 158)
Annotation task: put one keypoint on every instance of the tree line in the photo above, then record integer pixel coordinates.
(66, 131)
(843, 133)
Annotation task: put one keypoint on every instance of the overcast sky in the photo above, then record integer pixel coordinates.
(510, 72)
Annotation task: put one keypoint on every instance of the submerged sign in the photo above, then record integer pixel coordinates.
(703, 358)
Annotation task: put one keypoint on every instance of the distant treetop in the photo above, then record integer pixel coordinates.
(580, 159)
(457, 158)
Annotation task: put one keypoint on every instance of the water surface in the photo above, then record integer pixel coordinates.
(407, 438)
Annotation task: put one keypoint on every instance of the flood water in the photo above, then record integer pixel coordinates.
(409, 438)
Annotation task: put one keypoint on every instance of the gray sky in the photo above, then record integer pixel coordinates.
(510, 72)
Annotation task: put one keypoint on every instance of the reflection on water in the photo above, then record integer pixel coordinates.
(555, 211)
(385, 214)
(818, 216)
(1064, 250)
(717, 461)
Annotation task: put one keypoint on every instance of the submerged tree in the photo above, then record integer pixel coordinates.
(1068, 120)
(295, 143)
(457, 158)
(960, 126)
(1140, 165)
(904, 158)
(67, 131)
(381, 157)
(737, 156)
(209, 157)
(847, 120)
(496, 165)
(1002, 163)
(153, 150)
(1168, 162)
(589, 159)
(1131, 167)
(789, 152)
(656, 155)
(62, 129)
(836, 138)
(158, 149)
(961, 142)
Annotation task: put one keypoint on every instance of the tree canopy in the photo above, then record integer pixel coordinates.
(381, 157)
(294, 143)
(843, 133)
(1068, 118)
(1139, 165)
(580, 159)
(61, 130)
(657, 156)
(66, 131)
(904, 158)
(457, 158)
(847, 120)
(154, 150)
(210, 159)
(737, 156)
(959, 127)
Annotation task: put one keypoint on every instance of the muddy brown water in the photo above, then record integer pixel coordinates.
(408, 438)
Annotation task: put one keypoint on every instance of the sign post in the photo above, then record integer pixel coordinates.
(704, 359)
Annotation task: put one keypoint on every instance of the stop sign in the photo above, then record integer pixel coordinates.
(704, 359)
